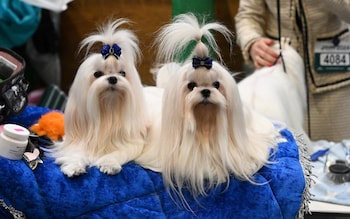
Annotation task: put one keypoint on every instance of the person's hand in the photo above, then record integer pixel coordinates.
(262, 54)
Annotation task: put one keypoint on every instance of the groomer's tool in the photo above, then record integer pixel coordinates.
(339, 170)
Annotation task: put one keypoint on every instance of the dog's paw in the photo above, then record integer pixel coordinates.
(73, 169)
(110, 170)
(109, 165)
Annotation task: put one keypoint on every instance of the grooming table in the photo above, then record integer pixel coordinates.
(139, 193)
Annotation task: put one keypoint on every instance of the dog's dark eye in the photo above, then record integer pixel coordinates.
(191, 85)
(98, 74)
(122, 73)
(216, 84)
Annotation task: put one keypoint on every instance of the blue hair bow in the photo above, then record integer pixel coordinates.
(107, 50)
(202, 62)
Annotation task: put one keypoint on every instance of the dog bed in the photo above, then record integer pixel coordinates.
(280, 192)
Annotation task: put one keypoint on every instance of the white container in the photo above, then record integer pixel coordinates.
(13, 141)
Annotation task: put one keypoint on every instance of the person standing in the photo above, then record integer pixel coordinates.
(319, 31)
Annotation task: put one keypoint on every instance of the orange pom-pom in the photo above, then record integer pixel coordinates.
(51, 125)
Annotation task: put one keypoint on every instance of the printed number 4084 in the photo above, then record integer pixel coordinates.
(334, 59)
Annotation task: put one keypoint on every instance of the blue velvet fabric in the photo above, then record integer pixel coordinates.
(139, 193)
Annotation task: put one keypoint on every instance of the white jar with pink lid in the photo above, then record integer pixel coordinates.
(13, 141)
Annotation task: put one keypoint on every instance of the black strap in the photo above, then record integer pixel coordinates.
(279, 34)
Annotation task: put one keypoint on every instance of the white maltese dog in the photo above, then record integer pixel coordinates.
(279, 92)
(106, 118)
(206, 134)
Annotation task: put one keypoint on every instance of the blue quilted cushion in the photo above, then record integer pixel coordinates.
(139, 193)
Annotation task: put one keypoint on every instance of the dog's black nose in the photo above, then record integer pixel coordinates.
(112, 80)
(205, 93)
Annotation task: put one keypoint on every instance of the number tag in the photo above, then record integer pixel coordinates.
(332, 59)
